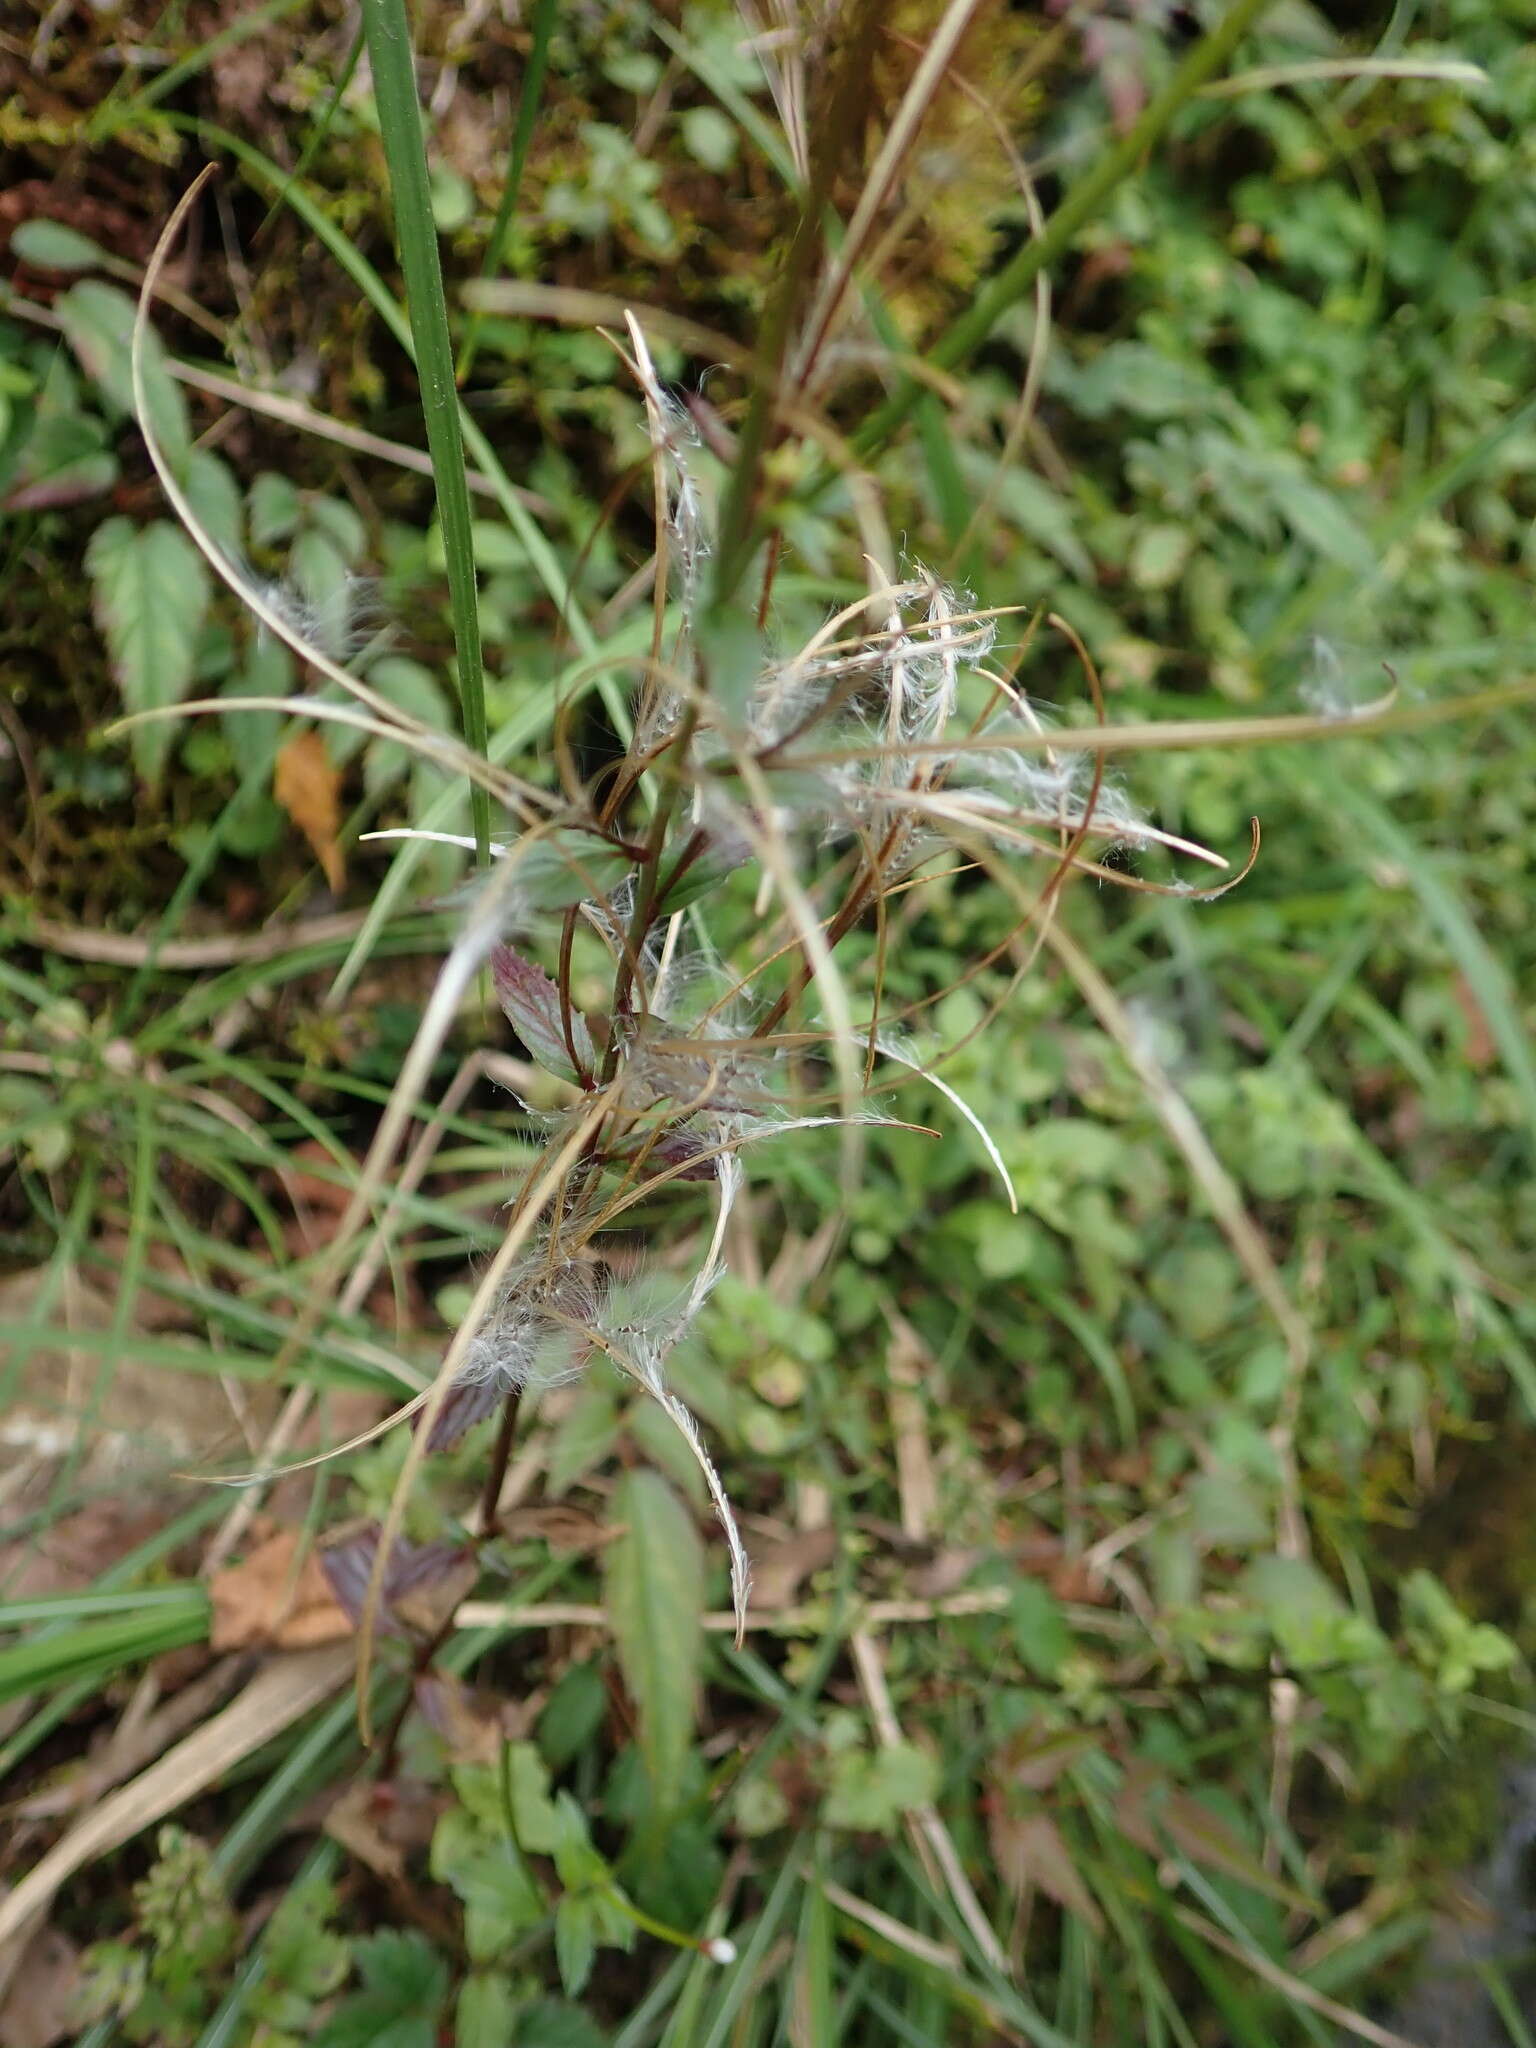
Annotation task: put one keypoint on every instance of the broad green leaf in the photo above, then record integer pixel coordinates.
(1158, 555)
(325, 583)
(1039, 1627)
(65, 457)
(572, 1714)
(1318, 518)
(734, 657)
(871, 1791)
(568, 866)
(1226, 1507)
(150, 592)
(487, 2011)
(709, 138)
(541, 1825)
(275, 508)
(575, 1941)
(1130, 376)
(656, 1437)
(583, 1437)
(554, 2024)
(306, 1959)
(492, 1879)
(97, 320)
(654, 1587)
(1196, 1284)
(412, 688)
(215, 497)
(342, 526)
(1040, 513)
(1306, 1614)
(266, 672)
(50, 245)
(406, 1984)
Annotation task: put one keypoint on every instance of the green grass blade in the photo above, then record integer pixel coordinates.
(98, 1648)
(388, 31)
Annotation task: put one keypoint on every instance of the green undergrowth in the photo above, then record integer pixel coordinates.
(1116, 1635)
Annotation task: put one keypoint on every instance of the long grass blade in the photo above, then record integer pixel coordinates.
(388, 32)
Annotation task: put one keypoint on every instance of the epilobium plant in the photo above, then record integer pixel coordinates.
(838, 772)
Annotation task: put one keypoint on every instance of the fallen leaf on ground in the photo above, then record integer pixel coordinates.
(381, 1824)
(276, 1598)
(474, 1725)
(1030, 1850)
(308, 788)
(39, 2004)
(423, 1585)
(1154, 1814)
(779, 1569)
(561, 1527)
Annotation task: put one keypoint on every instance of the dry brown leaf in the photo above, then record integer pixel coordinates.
(1154, 1814)
(427, 1605)
(276, 1598)
(474, 1725)
(39, 2005)
(1031, 1851)
(1037, 1755)
(779, 1569)
(309, 789)
(561, 1527)
(944, 1573)
(359, 1820)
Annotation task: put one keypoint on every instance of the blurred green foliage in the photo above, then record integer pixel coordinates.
(1285, 460)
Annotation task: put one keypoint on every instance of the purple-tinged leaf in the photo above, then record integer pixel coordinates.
(678, 1147)
(532, 1003)
(423, 1582)
(464, 1405)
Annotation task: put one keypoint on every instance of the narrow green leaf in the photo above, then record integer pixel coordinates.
(387, 29)
(654, 1584)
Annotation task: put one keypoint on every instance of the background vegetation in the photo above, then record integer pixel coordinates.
(1142, 1594)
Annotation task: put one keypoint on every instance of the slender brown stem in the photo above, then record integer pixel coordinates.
(501, 1456)
(567, 1018)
